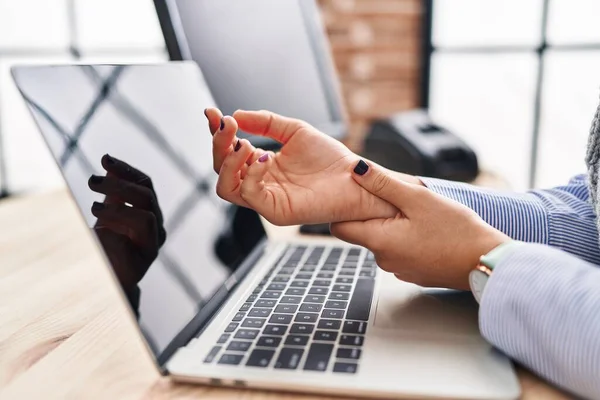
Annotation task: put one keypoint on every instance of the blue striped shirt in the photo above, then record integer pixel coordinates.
(541, 305)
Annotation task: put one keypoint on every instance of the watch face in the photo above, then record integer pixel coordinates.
(477, 281)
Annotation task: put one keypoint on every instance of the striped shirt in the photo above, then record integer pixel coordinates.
(541, 305)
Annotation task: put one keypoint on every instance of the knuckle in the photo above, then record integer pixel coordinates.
(380, 183)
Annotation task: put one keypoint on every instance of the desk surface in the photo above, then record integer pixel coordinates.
(63, 333)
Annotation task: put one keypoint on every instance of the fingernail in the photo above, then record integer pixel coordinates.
(238, 145)
(222, 124)
(264, 157)
(96, 180)
(205, 112)
(109, 159)
(97, 206)
(361, 168)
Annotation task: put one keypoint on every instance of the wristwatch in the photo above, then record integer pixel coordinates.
(479, 276)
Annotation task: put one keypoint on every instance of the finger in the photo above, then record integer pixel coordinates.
(230, 179)
(223, 141)
(138, 225)
(252, 188)
(136, 195)
(379, 182)
(214, 116)
(125, 171)
(269, 124)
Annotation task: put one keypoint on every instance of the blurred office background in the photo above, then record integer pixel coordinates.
(519, 80)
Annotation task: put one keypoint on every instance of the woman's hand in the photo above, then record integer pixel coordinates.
(432, 241)
(308, 181)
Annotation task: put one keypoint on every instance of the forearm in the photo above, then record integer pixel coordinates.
(561, 217)
(540, 307)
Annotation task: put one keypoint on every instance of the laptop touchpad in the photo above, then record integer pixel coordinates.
(434, 312)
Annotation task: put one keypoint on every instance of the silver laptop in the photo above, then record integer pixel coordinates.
(216, 301)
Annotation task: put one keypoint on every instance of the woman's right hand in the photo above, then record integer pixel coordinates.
(308, 181)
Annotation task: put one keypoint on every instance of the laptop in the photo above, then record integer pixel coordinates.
(309, 315)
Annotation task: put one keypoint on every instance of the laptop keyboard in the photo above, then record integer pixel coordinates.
(309, 312)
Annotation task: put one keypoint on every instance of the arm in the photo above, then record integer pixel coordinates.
(541, 308)
(561, 217)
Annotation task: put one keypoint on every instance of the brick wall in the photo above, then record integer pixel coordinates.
(377, 51)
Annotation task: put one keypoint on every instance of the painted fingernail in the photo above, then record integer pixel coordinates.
(96, 180)
(206, 112)
(238, 145)
(109, 159)
(97, 206)
(222, 124)
(264, 157)
(361, 168)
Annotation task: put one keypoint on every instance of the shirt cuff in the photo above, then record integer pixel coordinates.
(520, 216)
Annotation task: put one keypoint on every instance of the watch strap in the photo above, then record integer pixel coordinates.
(492, 258)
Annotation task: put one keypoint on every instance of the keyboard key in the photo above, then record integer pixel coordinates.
(318, 357)
(246, 334)
(282, 279)
(231, 327)
(223, 338)
(289, 358)
(327, 336)
(360, 305)
(259, 312)
(301, 284)
(307, 307)
(351, 340)
(260, 358)
(345, 280)
(278, 330)
(339, 288)
(339, 296)
(354, 327)
(306, 329)
(268, 341)
(308, 268)
(367, 274)
(321, 282)
(291, 263)
(286, 308)
(304, 276)
(238, 317)
(304, 317)
(340, 305)
(346, 368)
(257, 290)
(253, 323)
(346, 272)
(296, 340)
(265, 303)
(212, 354)
(329, 324)
(348, 352)
(277, 286)
(251, 298)
(295, 292)
(237, 345)
(245, 307)
(325, 275)
(270, 295)
(329, 267)
(314, 299)
(283, 319)
(354, 251)
(290, 300)
(231, 359)
(287, 271)
(333, 314)
(318, 290)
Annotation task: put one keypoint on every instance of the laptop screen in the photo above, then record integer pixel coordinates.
(142, 132)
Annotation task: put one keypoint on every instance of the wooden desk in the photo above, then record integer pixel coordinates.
(63, 333)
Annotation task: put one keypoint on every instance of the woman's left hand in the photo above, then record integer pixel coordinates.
(433, 241)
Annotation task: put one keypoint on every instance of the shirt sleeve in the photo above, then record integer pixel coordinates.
(562, 217)
(541, 307)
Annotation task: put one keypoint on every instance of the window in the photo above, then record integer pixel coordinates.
(519, 81)
(58, 31)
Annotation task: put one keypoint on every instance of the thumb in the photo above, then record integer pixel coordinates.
(381, 183)
(269, 124)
